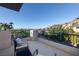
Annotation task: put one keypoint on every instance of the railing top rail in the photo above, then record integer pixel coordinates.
(72, 34)
(76, 34)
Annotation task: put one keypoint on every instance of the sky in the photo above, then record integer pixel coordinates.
(40, 15)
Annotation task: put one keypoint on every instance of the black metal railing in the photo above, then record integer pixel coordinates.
(71, 39)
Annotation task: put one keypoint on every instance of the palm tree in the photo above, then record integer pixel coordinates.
(4, 26)
(0, 26)
(11, 25)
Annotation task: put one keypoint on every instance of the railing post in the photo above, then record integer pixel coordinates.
(73, 40)
(76, 40)
(68, 37)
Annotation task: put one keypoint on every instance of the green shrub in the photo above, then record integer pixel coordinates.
(20, 33)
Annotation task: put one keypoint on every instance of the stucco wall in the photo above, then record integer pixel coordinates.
(8, 51)
(75, 29)
(5, 39)
(71, 50)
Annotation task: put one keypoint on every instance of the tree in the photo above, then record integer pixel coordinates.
(20, 33)
(5, 26)
(11, 25)
(0, 26)
(58, 32)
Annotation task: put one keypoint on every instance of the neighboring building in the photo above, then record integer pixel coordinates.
(76, 29)
(66, 25)
(73, 25)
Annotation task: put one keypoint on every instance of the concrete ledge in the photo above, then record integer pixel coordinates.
(21, 46)
(71, 50)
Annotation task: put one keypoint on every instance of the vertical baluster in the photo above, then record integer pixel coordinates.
(68, 37)
(76, 39)
(73, 40)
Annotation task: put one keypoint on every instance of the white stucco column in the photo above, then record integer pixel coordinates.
(33, 34)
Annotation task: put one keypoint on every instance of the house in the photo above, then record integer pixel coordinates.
(76, 29)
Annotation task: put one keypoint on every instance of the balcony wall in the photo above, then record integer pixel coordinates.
(6, 49)
(67, 49)
(5, 39)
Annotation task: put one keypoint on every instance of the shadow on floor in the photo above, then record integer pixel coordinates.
(23, 52)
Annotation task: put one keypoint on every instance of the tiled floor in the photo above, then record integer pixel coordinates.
(44, 50)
